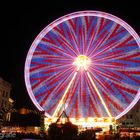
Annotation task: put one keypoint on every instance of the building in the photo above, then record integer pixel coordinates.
(5, 101)
(5, 88)
(132, 118)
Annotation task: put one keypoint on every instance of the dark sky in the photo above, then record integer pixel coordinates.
(23, 21)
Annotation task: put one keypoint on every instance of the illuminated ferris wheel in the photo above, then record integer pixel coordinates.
(87, 62)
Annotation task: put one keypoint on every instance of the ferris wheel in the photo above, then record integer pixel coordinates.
(87, 62)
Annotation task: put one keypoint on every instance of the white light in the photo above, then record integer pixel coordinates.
(82, 61)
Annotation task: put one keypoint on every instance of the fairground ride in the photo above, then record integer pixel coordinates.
(88, 64)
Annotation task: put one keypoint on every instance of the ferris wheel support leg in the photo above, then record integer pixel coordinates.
(99, 95)
(65, 93)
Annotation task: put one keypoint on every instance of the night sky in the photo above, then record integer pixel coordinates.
(22, 22)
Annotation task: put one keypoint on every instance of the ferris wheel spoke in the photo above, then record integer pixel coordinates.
(107, 87)
(74, 92)
(114, 45)
(107, 74)
(67, 45)
(48, 79)
(132, 71)
(102, 88)
(119, 101)
(132, 79)
(44, 66)
(122, 57)
(114, 103)
(93, 36)
(130, 56)
(125, 96)
(98, 44)
(90, 33)
(116, 80)
(102, 37)
(94, 99)
(52, 57)
(73, 34)
(113, 66)
(99, 95)
(129, 89)
(52, 93)
(64, 95)
(84, 34)
(112, 71)
(112, 34)
(117, 74)
(56, 49)
(67, 38)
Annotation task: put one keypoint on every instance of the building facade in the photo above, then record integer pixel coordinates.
(5, 88)
(5, 101)
(132, 118)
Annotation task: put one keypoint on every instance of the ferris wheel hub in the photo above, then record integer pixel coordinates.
(82, 61)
